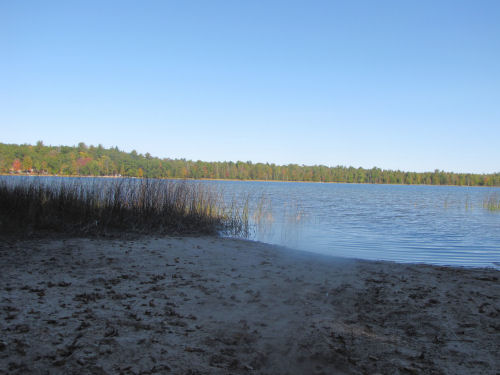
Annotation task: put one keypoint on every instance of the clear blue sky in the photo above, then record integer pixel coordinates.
(411, 85)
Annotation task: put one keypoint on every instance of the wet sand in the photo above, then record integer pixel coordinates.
(203, 305)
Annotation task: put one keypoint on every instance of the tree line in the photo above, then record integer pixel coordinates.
(83, 160)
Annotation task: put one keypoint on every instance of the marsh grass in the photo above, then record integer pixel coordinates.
(262, 216)
(492, 203)
(102, 206)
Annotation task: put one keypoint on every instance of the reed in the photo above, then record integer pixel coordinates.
(492, 203)
(102, 206)
(263, 213)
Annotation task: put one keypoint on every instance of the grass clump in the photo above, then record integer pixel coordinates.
(492, 203)
(102, 206)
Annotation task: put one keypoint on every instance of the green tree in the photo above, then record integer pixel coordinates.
(27, 163)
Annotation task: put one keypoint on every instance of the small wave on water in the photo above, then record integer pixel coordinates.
(441, 225)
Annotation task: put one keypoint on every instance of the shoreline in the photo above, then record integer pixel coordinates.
(209, 305)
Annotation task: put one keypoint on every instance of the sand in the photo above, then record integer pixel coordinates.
(203, 305)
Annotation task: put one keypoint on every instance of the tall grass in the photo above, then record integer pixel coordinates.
(263, 215)
(492, 203)
(102, 206)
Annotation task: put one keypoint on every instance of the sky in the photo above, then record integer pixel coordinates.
(411, 85)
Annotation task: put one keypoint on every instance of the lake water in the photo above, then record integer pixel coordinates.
(444, 225)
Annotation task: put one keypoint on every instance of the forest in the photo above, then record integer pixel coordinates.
(83, 160)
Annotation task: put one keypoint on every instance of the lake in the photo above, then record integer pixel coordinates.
(442, 225)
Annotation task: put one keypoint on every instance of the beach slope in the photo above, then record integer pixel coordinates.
(205, 305)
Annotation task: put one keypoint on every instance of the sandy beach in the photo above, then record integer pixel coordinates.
(205, 305)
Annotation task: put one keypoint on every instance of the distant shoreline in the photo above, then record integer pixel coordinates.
(237, 180)
(92, 161)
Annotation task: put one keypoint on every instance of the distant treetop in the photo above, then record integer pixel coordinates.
(86, 160)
